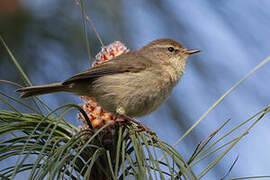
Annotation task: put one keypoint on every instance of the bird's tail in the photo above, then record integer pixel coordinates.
(43, 89)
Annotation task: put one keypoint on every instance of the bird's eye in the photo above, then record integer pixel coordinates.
(171, 49)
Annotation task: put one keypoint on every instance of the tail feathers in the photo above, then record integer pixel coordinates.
(39, 90)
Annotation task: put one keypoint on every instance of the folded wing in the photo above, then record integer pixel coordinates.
(130, 62)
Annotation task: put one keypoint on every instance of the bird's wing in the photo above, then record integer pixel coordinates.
(123, 63)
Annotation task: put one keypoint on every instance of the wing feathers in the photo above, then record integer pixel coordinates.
(123, 63)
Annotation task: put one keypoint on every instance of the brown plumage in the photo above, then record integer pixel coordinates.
(132, 84)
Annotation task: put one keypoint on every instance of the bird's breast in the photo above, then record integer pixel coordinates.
(137, 93)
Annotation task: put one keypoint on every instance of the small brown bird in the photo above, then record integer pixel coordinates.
(132, 84)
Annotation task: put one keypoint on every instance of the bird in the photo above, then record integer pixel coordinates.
(133, 84)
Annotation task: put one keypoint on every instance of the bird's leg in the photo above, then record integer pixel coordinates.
(121, 112)
(141, 125)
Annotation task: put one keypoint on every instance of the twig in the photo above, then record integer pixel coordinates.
(10, 82)
(208, 137)
(90, 22)
(234, 162)
(202, 143)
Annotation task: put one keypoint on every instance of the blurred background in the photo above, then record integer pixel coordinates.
(48, 40)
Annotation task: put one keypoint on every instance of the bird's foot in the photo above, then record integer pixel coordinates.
(141, 126)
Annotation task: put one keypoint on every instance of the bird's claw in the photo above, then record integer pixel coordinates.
(141, 127)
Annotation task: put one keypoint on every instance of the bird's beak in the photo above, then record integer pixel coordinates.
(192, 51)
